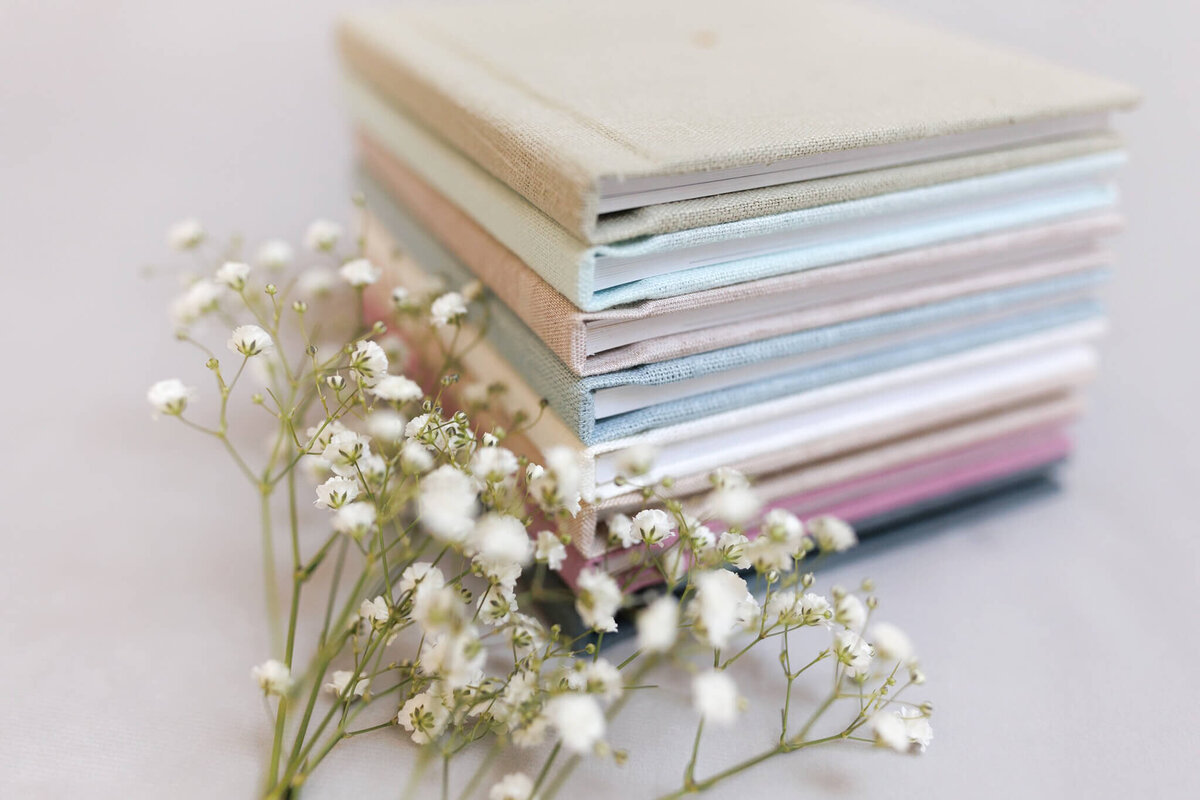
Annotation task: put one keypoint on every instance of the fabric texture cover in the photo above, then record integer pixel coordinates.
(550, 97)
(1010, 256)
(568, 264)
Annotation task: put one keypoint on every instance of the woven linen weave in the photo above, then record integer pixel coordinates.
(1020, 420)
(864, 439)
(567, 264)
(484, 364)
(549, 98)
(571, 396)
(563, 327)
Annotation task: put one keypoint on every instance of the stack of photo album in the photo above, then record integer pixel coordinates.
(854, 258)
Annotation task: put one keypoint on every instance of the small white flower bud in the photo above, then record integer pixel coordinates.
(322, 235)
(336, 492)
(185, 234)
(714, 695)
(514, 786)
(832, 534)
(449, 309)
(250, 340)
(316, 282)
(169, 397)
(550, 550)
(397, 389)
(636, 460)
(891, 643)
(273, 677)
(274, 254)
(369, 361)
(652, 526)
(341, 680)
(234, 275)
(359, 272)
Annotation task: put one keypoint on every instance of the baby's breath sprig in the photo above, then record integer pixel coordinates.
(440, 537)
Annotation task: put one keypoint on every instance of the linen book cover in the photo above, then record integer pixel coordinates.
(1038, 401)
(510, 215)
(570, 103)
(597, 277)
(869, 408)
(591, 343)
(1031, 399)
(888, 341)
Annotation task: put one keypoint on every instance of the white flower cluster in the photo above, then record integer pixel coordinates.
(448, 531)
(274, 254)
(781, 539)
(322, 235)
(904, 729)
(200, 298)
(359, 272)
(186, 234)
(250, 340)
(448, 309)
(170, 396)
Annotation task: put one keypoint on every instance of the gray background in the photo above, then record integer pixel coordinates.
(1061, 640)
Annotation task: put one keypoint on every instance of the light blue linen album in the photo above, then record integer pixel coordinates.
(734, 377)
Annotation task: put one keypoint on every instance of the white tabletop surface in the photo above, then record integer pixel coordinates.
(1060, 639)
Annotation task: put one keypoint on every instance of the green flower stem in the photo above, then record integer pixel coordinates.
(389, 723)
(414, 777)
(304, 448)
(560, 778)
(228, 445)
(689, 771)
(786, 660)
(277, 742)
(309, 567)
(342, 732)
(321, 663)
(541, 778)
(300, 750)
(744, 650)
(387, 575)
(298, 578)
(298, 757)
(816, 715)
(791, 679)
(632, 657)
(481, 770)
(269, 577)
(780, 749)
(272, 328)
(299, 575)
(565, 771)
(335, 582)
